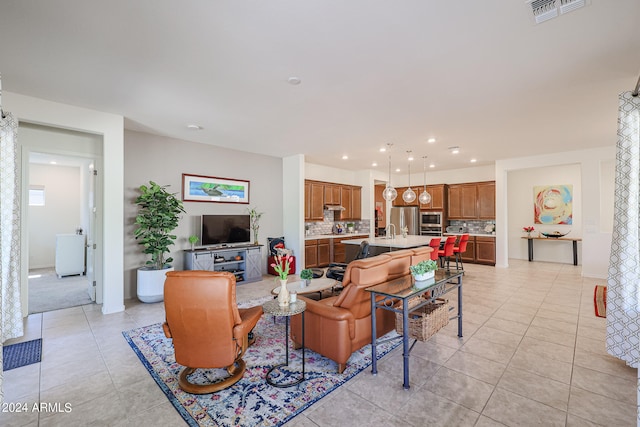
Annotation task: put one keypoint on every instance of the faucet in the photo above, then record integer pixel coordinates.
(387, 231)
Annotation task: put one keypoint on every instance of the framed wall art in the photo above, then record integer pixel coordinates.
(200, 188)
(553, 204)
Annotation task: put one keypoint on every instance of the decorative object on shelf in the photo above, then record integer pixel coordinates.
(193, 240)
(254, 218)
(528, 230)
(306, 275)
(553, 204)
(425, 197)
(200, 188)
(281, 267)
(405, 231)
(424, 270)
(555, 234)
(389, 193)
(409, 196)
(351, 227)
(158, 215)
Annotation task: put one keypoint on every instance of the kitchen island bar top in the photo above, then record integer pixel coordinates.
(399, 242)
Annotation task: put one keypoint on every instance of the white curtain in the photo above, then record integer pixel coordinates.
(10, 307)
(623, 284)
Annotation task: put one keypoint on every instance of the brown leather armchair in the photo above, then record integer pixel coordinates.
(207, 327)
(337, 326)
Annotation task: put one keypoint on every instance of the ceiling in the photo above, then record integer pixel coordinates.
(480, 75)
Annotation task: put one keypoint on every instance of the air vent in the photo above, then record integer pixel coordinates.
(543, 10)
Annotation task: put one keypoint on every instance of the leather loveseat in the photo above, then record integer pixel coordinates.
(337, 326)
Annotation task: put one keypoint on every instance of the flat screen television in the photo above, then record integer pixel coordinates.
(225, 229)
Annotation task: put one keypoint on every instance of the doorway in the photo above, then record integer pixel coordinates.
(58, 206)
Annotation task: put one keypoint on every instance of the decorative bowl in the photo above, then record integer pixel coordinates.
(555, 234)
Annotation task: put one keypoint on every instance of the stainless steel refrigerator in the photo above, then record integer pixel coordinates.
(408, 216)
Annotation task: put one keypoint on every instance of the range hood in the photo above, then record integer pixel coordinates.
(334, 208)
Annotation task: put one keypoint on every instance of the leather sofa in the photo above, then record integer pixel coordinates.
(337, 326)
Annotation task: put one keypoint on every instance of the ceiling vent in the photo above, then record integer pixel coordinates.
(543, 10)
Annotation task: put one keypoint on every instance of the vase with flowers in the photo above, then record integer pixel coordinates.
(281, 266)
(528, 230)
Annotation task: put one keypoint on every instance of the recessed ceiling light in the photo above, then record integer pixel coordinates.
(454, 150)
(345, 157)
(397, 169)
(473, 160)
(53, 162)
(294, 80)
(382, 150)
(374, 164)
(432, 165)
(194, 127)
(410, 158)
(431, 140)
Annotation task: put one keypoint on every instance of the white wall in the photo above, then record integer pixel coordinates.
(164, 160)
(59, 215)
(520, 184)
(110, 127)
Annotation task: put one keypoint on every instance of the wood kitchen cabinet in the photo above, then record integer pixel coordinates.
(470, 254)
(314, 201)
(438, 197)
(332, 194)
(356, 203)
(485, 250)
(486, 200)
(346, 195)
(339, 251)
(399, 201)
(317, 253)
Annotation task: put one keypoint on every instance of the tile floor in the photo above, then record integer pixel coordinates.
(532, 354)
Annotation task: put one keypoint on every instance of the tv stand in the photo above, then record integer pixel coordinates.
(245, 261)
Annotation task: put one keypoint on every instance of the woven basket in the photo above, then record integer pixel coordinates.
(426, 320)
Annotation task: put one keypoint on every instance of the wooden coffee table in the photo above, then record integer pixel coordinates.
(316, 285)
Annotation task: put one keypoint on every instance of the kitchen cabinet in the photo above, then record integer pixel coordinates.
(485, 250)
(314, 201)
(346, 194)
(399, 201)
(475, 200)
(332, 194)
(438, 197)
(317, 253)
(356, 203)
(470, 254)
(381, 203)
(486, 200)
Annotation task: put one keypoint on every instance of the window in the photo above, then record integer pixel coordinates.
(36, 195)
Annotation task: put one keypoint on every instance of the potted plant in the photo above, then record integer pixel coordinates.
(306, 275)
(193, 240)
(424, 270)
(158, 215)
(254, 217)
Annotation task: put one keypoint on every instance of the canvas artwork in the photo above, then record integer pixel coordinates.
(199, 188)
(553, 204)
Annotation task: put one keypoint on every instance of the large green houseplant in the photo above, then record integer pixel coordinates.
(158, 215)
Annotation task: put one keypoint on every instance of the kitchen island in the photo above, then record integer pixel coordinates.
(379, 245)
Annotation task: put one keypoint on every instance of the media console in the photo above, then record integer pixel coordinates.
(243, 261)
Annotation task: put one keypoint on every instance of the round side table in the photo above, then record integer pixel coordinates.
(272, 307)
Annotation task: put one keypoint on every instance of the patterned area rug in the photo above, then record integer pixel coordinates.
(21, 354)
(251, 401)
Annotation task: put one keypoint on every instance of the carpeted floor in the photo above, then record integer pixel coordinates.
(47, 292)
(251, 401)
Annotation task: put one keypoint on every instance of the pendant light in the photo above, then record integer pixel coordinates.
(425, 198)
(409, 196)
(389, 193)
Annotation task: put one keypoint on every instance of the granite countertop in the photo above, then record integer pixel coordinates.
(335, 236)
(410, 241)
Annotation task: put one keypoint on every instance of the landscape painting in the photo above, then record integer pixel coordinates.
(199, 188)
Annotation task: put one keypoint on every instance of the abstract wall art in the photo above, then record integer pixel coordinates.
(553, 204)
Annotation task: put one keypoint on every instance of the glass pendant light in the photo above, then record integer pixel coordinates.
(425, 198)
(409, 195)
(389, 193)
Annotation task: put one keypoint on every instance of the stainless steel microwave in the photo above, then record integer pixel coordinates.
(431, 218)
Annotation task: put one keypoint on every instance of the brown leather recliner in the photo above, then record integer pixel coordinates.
(337, 326)
(207, 327)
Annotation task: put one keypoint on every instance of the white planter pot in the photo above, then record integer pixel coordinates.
(425, 276)
(151, 284)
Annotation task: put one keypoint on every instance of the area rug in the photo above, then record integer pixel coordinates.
(21, 354)
(600, 300)
(251, 401)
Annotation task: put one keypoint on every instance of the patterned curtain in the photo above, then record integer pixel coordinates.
(10, 306)
(623, 284)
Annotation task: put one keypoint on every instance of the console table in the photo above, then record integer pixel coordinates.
(551, 239)
(404, 288)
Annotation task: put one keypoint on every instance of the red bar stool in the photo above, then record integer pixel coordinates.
(447, 250)
(460, 249)
(435, 245)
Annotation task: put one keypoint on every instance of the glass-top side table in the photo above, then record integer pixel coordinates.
(272, 307)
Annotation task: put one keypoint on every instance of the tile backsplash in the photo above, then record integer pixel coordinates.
(326, 225)
(474, 226)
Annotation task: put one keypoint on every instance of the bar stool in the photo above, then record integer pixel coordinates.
(435, 245)
(447, 251)
(460, 249)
